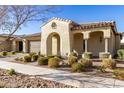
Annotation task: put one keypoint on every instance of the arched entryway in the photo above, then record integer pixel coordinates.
(78, 43)
(96, 43)
(53, 44)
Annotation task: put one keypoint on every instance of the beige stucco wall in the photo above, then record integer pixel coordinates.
(74, 40)
(63, 30)
(33, 37)
(56, 45)
(93, 36)
(117, 42)
(26, 40)
(78, 42)
(5, 45)
(112, 43)
(95, 45)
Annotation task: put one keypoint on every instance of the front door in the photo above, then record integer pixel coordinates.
(20, 46)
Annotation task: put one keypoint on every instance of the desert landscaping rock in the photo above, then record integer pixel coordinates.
(27, 81)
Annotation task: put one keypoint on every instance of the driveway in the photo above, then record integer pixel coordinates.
(11, 58)
(74, 79)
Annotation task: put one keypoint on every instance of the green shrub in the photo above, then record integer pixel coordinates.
(31, 54)
(27, 58)
(39, 53)
(42, 61)
(53, 62)
(101, 69)
(21, 59)
(108, 63)
(58, 56)
(11, 72)
(13, 53)
(4, 53)
(50, 56)
(120, 53)
(72, 60)
(17, 59)
(35, 57)
(87, 55)
(73, 54)
(77, 67)
(86, 62)
(119, 74)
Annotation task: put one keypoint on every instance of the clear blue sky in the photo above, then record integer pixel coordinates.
(82, 14)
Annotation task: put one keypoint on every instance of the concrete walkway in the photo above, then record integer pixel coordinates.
(74, 79)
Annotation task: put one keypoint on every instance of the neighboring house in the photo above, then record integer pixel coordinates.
(21, 43)
(61, 36)
(4, 45)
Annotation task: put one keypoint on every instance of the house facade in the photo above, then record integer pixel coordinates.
(62, 36)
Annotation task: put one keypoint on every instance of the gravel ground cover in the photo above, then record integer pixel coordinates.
(19, 80)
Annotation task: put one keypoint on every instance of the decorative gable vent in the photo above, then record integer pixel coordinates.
(53, 25)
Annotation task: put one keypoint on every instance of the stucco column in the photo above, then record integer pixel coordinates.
(86, 46)
(106, 45)
(14, 45)
(86, 37)
(25, 46)
(107, 35)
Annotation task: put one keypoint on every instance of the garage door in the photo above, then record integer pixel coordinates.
(35, 46)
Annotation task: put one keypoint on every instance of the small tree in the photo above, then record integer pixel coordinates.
(3, 13)
(17, 16)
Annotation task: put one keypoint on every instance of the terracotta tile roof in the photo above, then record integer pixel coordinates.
(35, 34)
(60, 19)
(13, 36)
(93, 25)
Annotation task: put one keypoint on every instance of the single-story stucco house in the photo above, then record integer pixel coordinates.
(61, 36)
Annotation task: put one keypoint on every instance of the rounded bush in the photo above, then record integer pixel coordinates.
(39, 53)
(27, 58)
(119, 74)
(17, 59)
(108, 63)
(50, 57)
(120, 53)
(57, 56)
(13, 53)
(53, 62)
(4, 53)
(10, 72)
(72, 60)
(31, 54)
(42, 61)
(21, 59)
(73, 54)
(77, 67)
(35, 57)
(86, 62)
